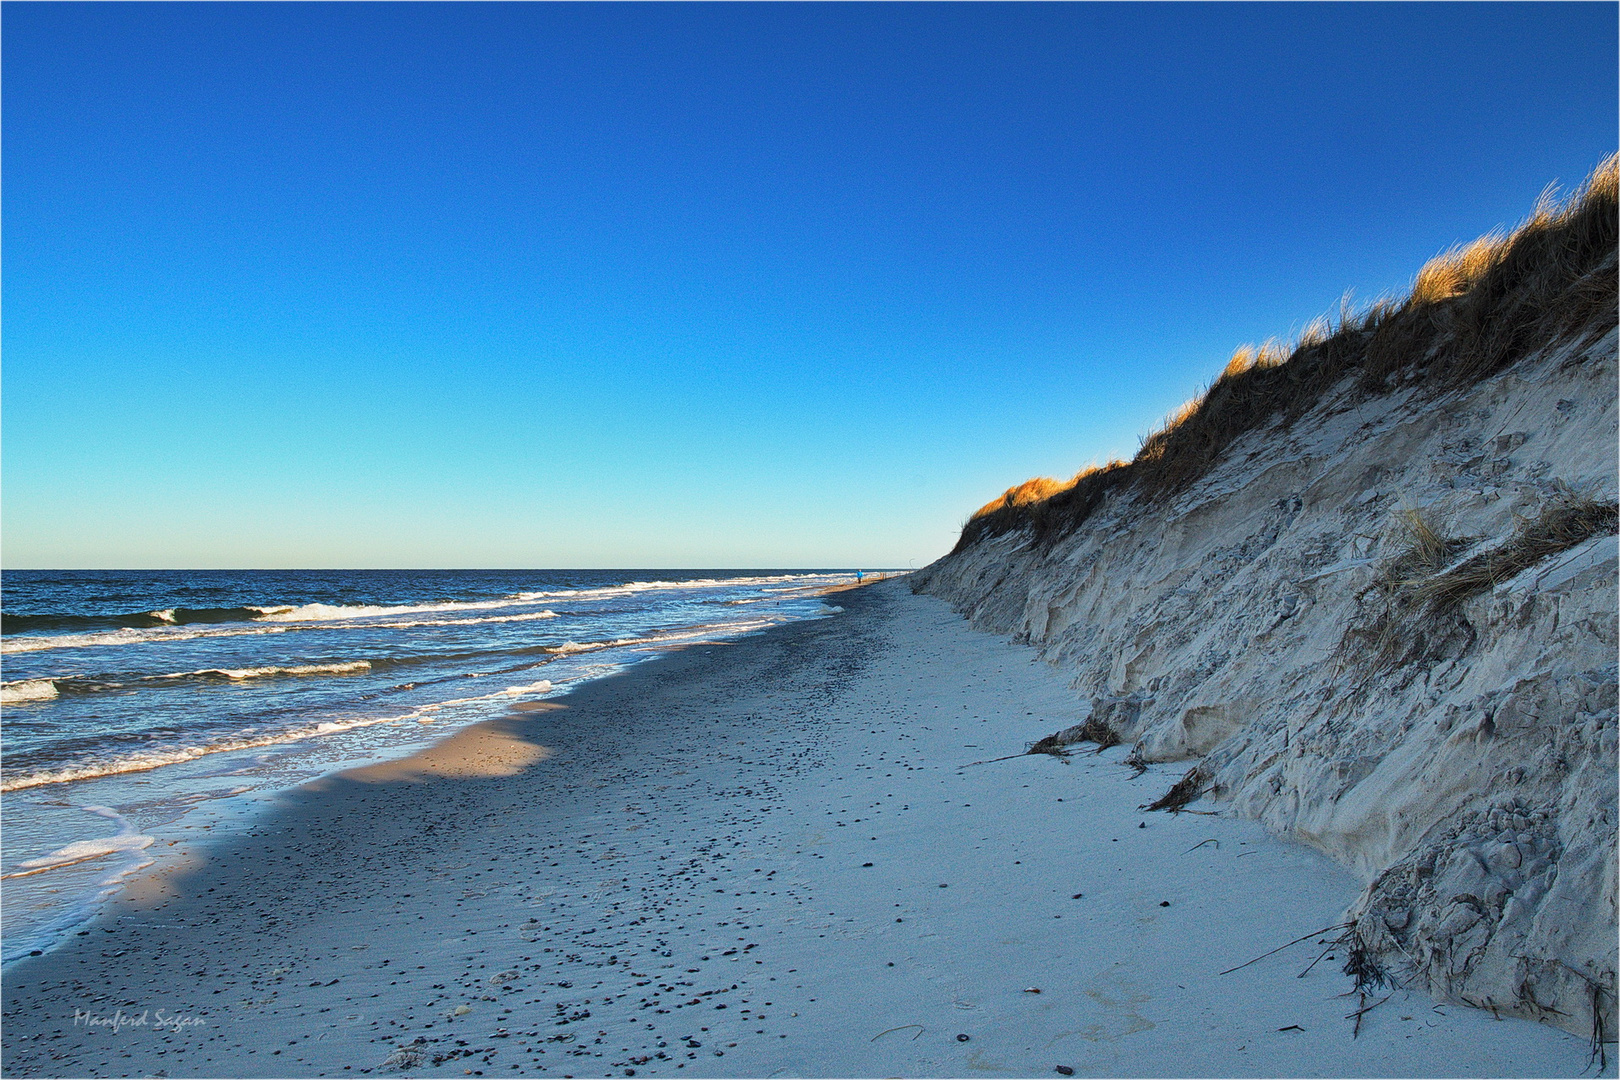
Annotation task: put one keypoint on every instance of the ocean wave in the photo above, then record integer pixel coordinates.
(30, 633)
(569, 648)
(11, 623)
(155, 759)
(133, 620)
(129, 841)
(529, 617)
(20, 690)
(349, 667)
(157, 635)
(80, 851)
(146, 760)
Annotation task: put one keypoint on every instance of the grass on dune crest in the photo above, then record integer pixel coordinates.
(1472, 311)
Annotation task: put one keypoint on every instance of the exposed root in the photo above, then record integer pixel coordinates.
(1184, 791)
(1286, 945)
(1599, 1054)
(1095, 731)
(1048, 745)
(1364, 1010)
(1363, 966)
(1091, 731)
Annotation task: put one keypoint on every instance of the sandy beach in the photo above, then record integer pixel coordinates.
(772, 857)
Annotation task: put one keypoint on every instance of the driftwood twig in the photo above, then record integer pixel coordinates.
(1280, 948)
(1364, 1010)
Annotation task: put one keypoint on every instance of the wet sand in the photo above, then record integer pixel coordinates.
(765, 858)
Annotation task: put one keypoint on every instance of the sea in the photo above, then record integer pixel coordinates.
(144, 710)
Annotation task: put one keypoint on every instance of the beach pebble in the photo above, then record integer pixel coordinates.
(961, 1038)
(1063, 1070)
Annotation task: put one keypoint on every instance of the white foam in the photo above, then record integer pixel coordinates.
(285, 617)
(349, 667)
(158, 634)
(467, 622)
(129, 637)
(129, 840)
(569, 648)
(155, 759)
(80, 851)
(27, 690)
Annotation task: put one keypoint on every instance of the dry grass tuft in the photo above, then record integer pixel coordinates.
(1182, 792)
(1426, 551)
(1095, 731)
(1419, 592)
(1471, 312)
(1403, 630)
(1362, 965)
(1030, 491)
(1559, 527)
(1092, 731)
(1048, 513)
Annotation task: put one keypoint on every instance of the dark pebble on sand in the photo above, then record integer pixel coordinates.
(866, 864)
(1064, 1070)
(961, 1038)
(1164, 903)
(1077, 896)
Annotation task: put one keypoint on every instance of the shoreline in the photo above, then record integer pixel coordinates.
(206, 784)
(678, 854)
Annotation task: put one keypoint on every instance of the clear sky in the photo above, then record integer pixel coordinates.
(694, 286)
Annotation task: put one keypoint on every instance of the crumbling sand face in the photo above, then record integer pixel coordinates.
(1289, 624)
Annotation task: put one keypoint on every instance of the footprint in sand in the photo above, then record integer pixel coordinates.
(1120, 997)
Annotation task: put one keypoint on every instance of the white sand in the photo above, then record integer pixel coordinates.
(701, 824)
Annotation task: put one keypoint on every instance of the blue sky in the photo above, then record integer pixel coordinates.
(697, 286)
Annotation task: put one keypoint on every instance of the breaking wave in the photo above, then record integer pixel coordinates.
(20, 690)
(137, 636)
(135, 620)
(351, 667)
(145, 760)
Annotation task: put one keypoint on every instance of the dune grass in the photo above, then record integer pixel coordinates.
(1416, 595)
(1560, 526)
(1471, 312)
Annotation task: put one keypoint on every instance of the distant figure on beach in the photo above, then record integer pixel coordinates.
(858, 576)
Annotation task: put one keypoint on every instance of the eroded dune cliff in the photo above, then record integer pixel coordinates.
(1383, 623)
